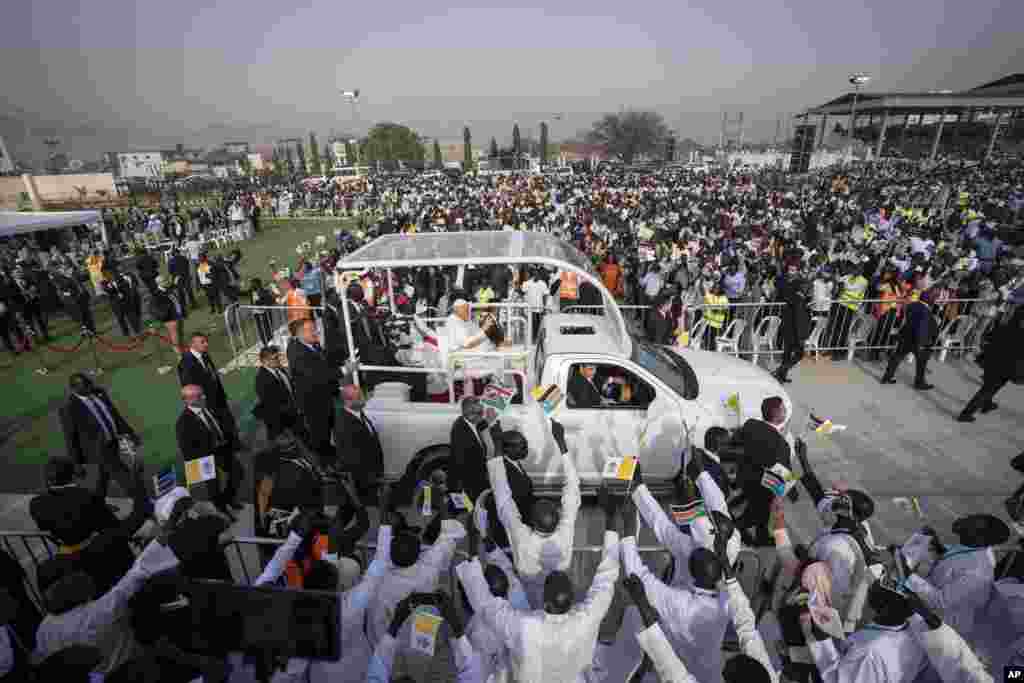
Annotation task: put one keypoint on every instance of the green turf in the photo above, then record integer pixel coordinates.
(149, 401)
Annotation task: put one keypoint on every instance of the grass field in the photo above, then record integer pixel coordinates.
(149, 401)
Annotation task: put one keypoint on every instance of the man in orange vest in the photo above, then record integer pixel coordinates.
(568, 292)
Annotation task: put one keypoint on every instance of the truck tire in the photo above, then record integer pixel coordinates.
(419, 469)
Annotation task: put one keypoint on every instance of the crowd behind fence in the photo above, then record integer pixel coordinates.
(752, 331)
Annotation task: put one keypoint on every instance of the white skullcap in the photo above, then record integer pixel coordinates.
(165, 504)
(460, 302)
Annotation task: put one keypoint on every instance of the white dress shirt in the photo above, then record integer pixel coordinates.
(874, 654)
(537, 555)
(958, 586)
(549, 647)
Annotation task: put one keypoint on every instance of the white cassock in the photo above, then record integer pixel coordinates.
(666, 663)
(494, 653)
(549, 647)
(949, 655)
(537, 555)
(745, 623)
(671, 536)
(999, 632)
(694, 619)
(874, 654)
(422, 577)
(456, 333)
(958, 586)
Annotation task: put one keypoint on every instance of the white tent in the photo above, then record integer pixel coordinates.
(21, 222)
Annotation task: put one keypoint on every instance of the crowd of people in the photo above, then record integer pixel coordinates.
(686, 245)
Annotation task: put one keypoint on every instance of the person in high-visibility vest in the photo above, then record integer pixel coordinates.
(717, 305)
(854, 285)
(568, 291)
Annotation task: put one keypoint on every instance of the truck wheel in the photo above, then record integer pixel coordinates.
(419, 469)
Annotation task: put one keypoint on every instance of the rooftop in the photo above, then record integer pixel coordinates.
(1005, 93)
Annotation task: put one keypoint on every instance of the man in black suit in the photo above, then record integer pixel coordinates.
(917, 335)
(660, 324)
(583, 392)
(763, 446)
(196, 367)
(796, 322)
(514, 449)
(123, 293)
(179, 268)
(276, 396)
(316, 387)
(202, 432)
(74, 298)
(92, 426)
(148, 269)
(358, 444)
(469, 451)
(1003, 362)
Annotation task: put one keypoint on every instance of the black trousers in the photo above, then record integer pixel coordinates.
(234, 473)
(33, 313)
(792, 353)
(213, 296)
(758, 510)
(111, 467)
(990, 385)
(319, 425)
(263, 328)
(10, 331)
(921, 356)
(185, 292)
(81, 313)
(128, 319)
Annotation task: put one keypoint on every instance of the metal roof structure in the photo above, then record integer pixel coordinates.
(481, 249)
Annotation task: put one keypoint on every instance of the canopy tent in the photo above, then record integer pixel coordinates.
(22, 222)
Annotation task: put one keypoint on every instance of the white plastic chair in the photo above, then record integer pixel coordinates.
(764, 334)
(955, 335)
(860, 331)
(729, 340)
(818, 326)
(696, 340)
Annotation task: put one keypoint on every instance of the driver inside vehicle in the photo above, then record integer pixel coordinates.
(605, 386)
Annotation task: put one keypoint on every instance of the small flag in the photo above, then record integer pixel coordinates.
(824, 426)
(199, 470)
(424, 630)
(549, 396)
(461, 501)
(683, 515)
(733, 402)
(620, 468)
(778, 479)
(426, 509)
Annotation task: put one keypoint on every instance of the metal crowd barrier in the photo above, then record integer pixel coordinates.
(250, 328)
(753, 330)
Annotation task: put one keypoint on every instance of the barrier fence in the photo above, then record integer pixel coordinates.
(31, 549)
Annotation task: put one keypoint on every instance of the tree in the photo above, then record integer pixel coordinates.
(467, 148)
(391, 143)
(438, 160)
(350, 153)
(300, 154)
(517, 144)
(629, 134)
(314, 155)
(494, 149)
(245, 165)
(543, 143)
(327, 160)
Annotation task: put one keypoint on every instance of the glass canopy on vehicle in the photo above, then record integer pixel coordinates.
(484, 248)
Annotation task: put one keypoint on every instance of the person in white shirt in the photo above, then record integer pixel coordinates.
(411, 571)
(957, 580)
(947, 652)
(545, 544)
(536, 294)
(695, 618)
(883, 651)
(462, 332)
(556, 643)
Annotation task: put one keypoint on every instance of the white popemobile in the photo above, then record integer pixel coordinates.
(665, 395)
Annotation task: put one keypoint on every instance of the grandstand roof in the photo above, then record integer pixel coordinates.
(1005, 93)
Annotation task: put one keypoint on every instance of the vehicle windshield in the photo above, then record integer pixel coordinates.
(667, 366)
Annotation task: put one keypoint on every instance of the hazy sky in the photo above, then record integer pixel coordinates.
(199, 71)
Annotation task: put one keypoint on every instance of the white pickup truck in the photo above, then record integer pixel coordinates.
(689, 387)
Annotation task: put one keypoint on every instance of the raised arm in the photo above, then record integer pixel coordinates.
(602, 589)
(509, 514)
(516, 594)
(743, 619)
(665, 530)
(504, 620)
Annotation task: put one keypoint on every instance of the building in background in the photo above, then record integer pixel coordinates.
(236, 147)
(141, 165)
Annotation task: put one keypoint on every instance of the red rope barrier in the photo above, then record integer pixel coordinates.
(167, 341)
(120, 348)
(64, 349)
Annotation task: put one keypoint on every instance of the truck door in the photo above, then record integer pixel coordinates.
(604, 411)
